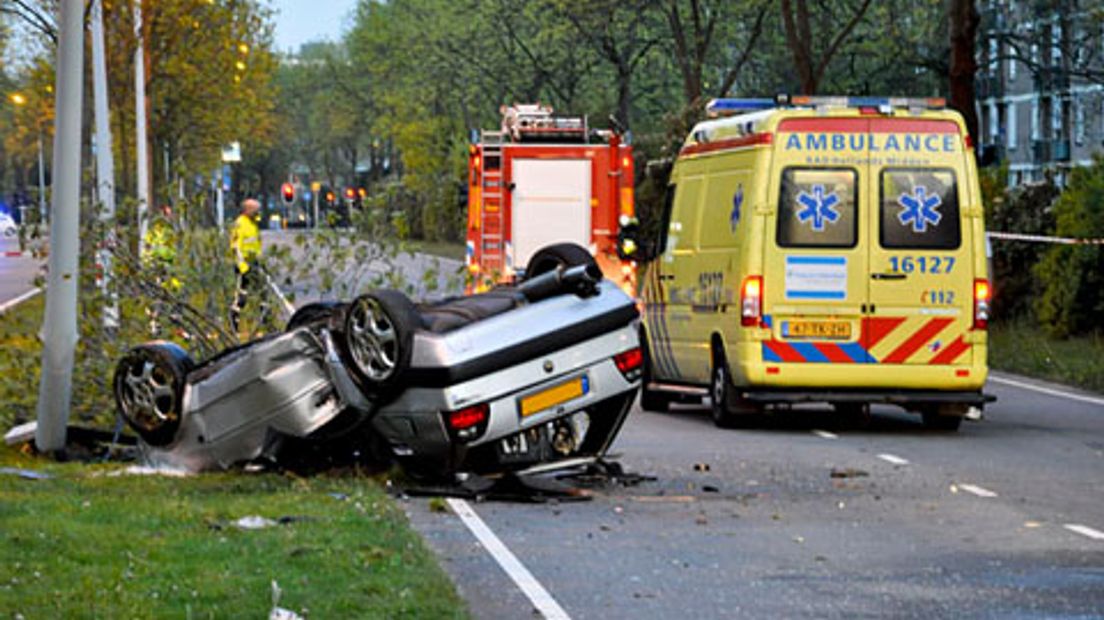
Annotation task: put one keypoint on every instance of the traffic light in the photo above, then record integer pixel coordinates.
(288, 192)
(350, 194)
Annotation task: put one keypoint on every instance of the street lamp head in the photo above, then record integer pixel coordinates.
(18, 98)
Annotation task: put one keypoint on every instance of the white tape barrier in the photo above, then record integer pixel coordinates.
(1044, 239)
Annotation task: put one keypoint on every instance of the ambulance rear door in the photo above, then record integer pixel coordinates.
(921, 268)
(815, 267)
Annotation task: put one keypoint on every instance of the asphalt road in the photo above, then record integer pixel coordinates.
(17, 273)
(751, 523)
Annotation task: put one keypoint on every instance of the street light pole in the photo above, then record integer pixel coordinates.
(105, 168)
(59, 322)
(140, 127)
(41, 181)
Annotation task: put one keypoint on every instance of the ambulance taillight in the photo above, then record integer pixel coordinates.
(751, 301)
(982, 293)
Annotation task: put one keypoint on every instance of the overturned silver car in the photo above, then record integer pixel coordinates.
(519, 377)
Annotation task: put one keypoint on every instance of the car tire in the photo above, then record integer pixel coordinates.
(943, 417)
(312, 313)
(558, 255)
(378, 338)
(149, 389)
(726, 407)
(650, 400)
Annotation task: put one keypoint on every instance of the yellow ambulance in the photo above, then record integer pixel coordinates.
(820, 249)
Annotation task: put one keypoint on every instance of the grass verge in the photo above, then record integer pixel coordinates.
(86, 543)
(1022, 348)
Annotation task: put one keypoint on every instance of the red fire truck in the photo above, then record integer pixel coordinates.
(542, 179)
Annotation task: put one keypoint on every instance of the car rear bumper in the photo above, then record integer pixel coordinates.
(414, 426)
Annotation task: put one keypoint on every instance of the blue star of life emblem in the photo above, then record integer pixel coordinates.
(920, 209)
(737, 200)
(819, 208)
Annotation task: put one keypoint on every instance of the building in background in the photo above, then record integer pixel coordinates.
(1040, 85)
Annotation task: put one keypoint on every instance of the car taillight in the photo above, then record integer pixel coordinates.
(982, 293)
(468, 423)
(751, 301)
(630, 363)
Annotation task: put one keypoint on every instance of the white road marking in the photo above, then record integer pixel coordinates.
(1044, 390)
(1085, 531)
(976, 490)
(521, 576)
(825, 434)
(896, 460)
(8, 305)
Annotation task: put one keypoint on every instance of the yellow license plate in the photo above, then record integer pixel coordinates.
(553, 396)
(830, 330)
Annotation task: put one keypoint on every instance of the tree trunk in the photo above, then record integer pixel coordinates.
(624, 94)
(964, 20)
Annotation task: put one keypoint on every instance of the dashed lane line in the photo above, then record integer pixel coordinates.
(896, 460)
(1044, 390)
(976, 490)
(8, 305)
(825, 434)
(1085, 530)
(538, 596)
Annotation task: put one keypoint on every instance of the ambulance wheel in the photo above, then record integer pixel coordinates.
(727, 408)
(558, 255)
(379, 338)
(943, 417)
(650, 400)
(149, 389)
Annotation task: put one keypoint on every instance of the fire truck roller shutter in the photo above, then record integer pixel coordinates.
(551, 204)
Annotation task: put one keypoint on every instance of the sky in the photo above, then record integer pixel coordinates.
(302, 21)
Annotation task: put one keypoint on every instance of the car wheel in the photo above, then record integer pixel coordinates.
(149, 389)
(727, 408)
(379, 337)
(650, 400)
(943, 417)
(558, 255)
(312, 313)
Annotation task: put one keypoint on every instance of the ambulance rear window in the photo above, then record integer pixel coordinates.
(817, 208)
(919, 209)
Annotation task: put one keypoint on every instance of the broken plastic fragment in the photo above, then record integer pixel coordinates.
(254, 522)
(26, 474)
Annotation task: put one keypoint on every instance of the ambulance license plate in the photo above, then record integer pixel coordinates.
(553, 396)
(829, 330)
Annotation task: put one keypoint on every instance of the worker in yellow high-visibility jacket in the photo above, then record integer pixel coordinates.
(245, 243)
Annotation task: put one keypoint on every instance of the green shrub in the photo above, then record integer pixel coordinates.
(1025, 209)
(1072, 276)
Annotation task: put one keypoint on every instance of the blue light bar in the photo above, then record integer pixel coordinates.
(723, 107)
(867, 102)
